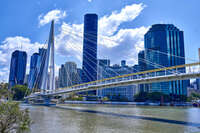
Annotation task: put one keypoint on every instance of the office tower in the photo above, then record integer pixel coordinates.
(164, 47)
(36, 69)
(141, 60)
(56, 83)
(71, 73)
(62, 76)
(89, 65)
(80, 72)
(68, 75)
(33, 70)
(123, 63)
(141, 67)
(17, 68)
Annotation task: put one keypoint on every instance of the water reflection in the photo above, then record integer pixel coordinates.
(117, 119)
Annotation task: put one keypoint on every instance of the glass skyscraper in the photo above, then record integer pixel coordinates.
(36, 69)
(164, 47)
(17, 68)
(89, 65)
(33, 70)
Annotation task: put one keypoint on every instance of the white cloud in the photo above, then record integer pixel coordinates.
(112, 41)
(11, 44)
(108, 25)
(89, 0)
(55, 15)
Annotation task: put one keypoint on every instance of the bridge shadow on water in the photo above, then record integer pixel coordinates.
(162, 120)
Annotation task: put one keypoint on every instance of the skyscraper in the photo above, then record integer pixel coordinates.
(17, 68)
(141, 60)
(168, 39)
(33, 70)
(62, 76)
(36, 69)
(89, 65)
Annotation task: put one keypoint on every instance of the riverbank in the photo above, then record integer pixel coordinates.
(128, 103)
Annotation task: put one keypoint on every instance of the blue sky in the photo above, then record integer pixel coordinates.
(25, 24)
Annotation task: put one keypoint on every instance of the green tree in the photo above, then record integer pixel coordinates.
(5, 93)
(3, 85)
(12, 119)
(19, 91)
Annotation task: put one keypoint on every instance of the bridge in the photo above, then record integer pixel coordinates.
(180, 72)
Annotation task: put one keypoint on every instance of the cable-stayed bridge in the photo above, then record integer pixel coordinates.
(161, 74)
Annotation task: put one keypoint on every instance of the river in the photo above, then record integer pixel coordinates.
(114, 119)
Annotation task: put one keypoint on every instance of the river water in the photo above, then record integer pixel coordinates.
(114, 119)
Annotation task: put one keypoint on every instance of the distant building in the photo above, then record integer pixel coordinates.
(17, 68)
(62, 77)
(165, 38)
(80, 72)
(123, 63)
(26, 79)
(68, 75)
(124, 93)
(141, 61)
(71, 72)
(56, 83)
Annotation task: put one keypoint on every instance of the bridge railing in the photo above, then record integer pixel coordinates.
(180, 69)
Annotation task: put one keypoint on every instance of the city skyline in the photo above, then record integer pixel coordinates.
(126, 29)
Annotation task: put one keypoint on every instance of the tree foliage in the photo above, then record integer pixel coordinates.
(12, 119)
(4, 92)
(19, 91)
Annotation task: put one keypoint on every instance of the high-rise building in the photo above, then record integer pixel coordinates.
(40, 67)
(68, 75)
(33, 70)
(123, 63)
(62, 76)
(80, 72)
(89, 65)
(164, 47)
(141, 60)
(36, 69)
(17, 68)
(72, 75)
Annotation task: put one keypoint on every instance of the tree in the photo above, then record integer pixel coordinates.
(5, 93)
(3, 85)
(12, 119)
(19, 91)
